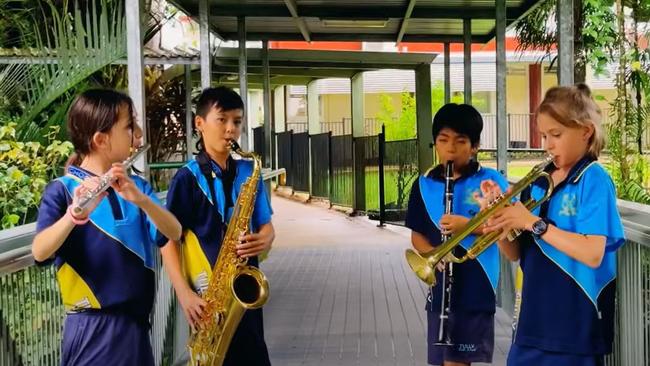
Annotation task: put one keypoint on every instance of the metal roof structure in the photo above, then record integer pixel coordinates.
(360, 20)
(299, 67)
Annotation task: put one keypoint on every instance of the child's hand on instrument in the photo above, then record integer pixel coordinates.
(451, 224)
(515, 216)
(490, 190)
(82, 189)
(254, 244)
(124, 185)
(192, 305)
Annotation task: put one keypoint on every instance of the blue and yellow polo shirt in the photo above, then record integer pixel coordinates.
(108, 263)
(205, 221)
(567, 306)
(475, 281)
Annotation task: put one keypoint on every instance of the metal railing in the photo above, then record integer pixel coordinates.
(632, 335)
(337, 128)
(518, 131)
(31, 311)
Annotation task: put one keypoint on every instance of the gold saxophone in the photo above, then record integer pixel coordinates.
(234, 286)
(424, 264)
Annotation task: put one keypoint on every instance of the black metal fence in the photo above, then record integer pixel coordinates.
(367, 173)
(259, 143)
(284, 149)
(320, 165)
(300, 162)
(400, 172)
(342, 185)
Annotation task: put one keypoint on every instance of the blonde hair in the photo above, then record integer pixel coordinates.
(573, 107)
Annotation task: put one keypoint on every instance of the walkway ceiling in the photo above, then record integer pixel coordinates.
(357, 20)
(299, 67)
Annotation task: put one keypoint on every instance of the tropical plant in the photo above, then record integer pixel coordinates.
(79, 45)
(25, 169)
(594, 33)
(165, 105)
(630, 108)
(17, 22)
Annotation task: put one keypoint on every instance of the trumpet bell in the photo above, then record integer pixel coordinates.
(421, 267)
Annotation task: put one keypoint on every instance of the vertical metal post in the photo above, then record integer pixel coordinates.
(358, 114)
(189, 122)
(279, 110)
(135, 64)
(358, 105)
(330, 167)
(502, 118)
(565, 42)
(313, 108)
(447, 73)
(382, 198)
(467, 60)
(206, 50)
(243, 80)
(268, 130)
(423, 116)
(279, 117)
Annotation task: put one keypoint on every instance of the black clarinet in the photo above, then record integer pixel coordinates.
(448, 274)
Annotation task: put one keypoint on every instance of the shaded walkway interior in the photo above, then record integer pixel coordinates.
(342, 293)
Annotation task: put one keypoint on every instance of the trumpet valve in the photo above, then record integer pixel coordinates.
(513, 234)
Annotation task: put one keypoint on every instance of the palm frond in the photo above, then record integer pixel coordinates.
(635, 192)
(78, 45)
(12, 79)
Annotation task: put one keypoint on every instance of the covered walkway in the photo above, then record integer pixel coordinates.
(342, 293)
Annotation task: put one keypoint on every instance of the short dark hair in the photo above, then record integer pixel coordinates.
(94, 110)
(462, 118)
(221, 97)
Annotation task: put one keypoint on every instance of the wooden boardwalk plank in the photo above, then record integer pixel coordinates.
(342, 294)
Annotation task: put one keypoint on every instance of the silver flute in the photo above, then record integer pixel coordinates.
(105, 182)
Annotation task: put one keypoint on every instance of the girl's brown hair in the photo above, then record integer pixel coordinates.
(95, 110)
(573, 107)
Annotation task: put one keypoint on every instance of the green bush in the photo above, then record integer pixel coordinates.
(25, 169)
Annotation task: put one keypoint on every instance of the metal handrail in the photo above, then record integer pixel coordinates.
(17, 268)
(632, 335)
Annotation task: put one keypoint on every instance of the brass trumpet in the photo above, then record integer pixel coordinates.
(424, 264)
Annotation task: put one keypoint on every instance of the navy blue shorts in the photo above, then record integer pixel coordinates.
(472, 335)
(522, 355)
(95, 338)
(247, 346)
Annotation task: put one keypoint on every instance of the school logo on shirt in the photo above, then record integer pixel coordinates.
(469, 196)
(569, 207)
